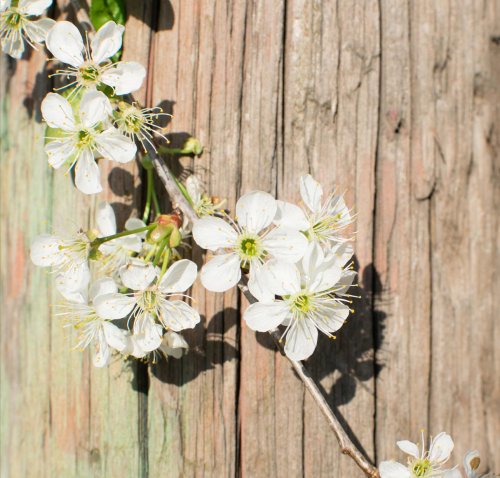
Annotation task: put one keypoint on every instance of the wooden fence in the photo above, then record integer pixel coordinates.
(398, 101)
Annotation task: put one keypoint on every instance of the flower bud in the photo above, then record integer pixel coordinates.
(192, 146)
(146, 162)
(95, 254)
(175, 238)
(167, 227)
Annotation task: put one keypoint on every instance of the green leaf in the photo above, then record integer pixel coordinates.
(103, 11)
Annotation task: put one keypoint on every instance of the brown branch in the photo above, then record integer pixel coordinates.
(347, 447)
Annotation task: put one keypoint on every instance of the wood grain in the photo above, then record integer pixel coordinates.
(397, 101)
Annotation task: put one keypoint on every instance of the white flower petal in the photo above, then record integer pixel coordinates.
(125, 77)
(331, 317)
(65, 43)
(266, 316)
(255, 210)
(283, 277)
(106, 219)
(137, 276)
(326, 280)
(77, 277)
(177, 315)
(345, 281)
(59, 151)
(57, 112)
(311, 193)
(148, 334)
(290, 216)
(114, 336)
(107, 41)
(409, 448)
(87, 174)
(78, 297)
(4, 4)
(301, 339)
(114, 306)
(45, 250)
(131, 243)
(38, 30)
(221, 273)
(213, 233)
(286, 244)
(258, 283)
(174, 341)
(343, 252)
(133, 347)
(34, 7)
(94, 108)
(106, 285)
(14, 48)
(179, 277)
(102, 353)
(313, 257)
(470, 471)
(115, 146)
(441, 448)
(455, 474)
(393, 469)
(136, 223)
(193, 188)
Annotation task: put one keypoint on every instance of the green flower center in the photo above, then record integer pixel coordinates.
(89, 73)
(249, 247)
(421, 467)
(302, 302)
(148, 301)
(13, 19)
(85, 137)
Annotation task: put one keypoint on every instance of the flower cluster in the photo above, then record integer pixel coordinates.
(297, 260)
(423, 463)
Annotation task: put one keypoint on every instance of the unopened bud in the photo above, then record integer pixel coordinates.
(167, 225)
(192, 146)
(146, 162)
(175, 238)
(95, 254)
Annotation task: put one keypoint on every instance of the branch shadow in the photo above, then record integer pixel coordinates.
(159, 15)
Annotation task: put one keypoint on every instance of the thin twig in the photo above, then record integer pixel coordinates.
(347, 447)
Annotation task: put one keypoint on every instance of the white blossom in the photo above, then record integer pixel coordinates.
(118, 252)
(149, 306)
(314, 297)
(173, 344)
(92, 66)
(322, 222)
(247, 243)
(65, 253)
(86, 320)
(471, 463)
(16, 25)
(421, 464)
(202, 204)
(80, 140)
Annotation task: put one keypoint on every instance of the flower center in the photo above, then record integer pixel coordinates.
(322, 228)
(148, 301)
(301, 302)
(420, 468)
(85, 137)
(250, 247)
(13, 19)
(88, 73)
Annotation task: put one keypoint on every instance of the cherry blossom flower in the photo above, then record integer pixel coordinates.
(86, 318)
(81, 140)
(136, 122)
(150, 303)
(421, 464)
(173, 345)
(66, 253)
(247, 243)
(16, 26)
(323, 223)
(202, 204)
(92, 66)
(314, 297)
(471, 463)
(117, 252)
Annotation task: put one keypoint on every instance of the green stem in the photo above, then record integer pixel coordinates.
(171, 151)
(150, 254)
(101, 240)
(165, 261)
(155, 200)
(123, 290)
(147, 208)
(160, 250)
(181, 187)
